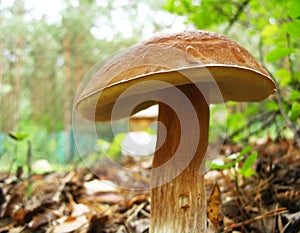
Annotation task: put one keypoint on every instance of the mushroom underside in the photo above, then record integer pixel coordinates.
(123, 99)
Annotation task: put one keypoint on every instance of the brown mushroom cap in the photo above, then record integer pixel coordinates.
(172, 58)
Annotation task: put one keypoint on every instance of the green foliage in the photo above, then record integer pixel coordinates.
(15, 151)
(18, 136)
(45, 60)
(201, 13)
(33, 91)
(270, 30)
(294, 95)
(112, 149)
(294, 112)
(277, 54)
(242, 162)
(43, 142)
(247, 169)
(44, 145)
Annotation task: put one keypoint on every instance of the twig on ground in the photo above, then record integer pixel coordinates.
(270, 213)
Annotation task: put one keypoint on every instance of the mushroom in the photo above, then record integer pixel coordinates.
(182, 73)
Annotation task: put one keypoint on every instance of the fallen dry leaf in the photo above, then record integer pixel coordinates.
(214, 207)
(100, 186)
(69, 224)
(78, 201)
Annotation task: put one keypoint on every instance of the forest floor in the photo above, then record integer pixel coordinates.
(80, 201)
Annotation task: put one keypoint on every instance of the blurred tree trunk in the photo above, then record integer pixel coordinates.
(68, 80)
(79, 63)
(10, 98)
(18, 81)
(12, 81)
(68, 92)
(1, 91)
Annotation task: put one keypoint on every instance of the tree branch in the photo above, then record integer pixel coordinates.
(236, 16)
(285, 116)
(291, 63)
(267, 117)
(287, 120)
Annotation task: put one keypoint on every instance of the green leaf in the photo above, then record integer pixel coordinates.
(252, 109)
(294, 95)
(18, 136)
(116, 146)
(113, 149)
(269, 30)
(277, 54)
(294, 114)
(245, 150)
(229, 161)
(215, 166)
(30, 189)
(284, 77)
(272, 106)
(235, 121)
(169, 6)
(247, 169)
(294, 8)
(293, 28)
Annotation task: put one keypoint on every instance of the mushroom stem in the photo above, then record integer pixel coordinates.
(178, 201)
